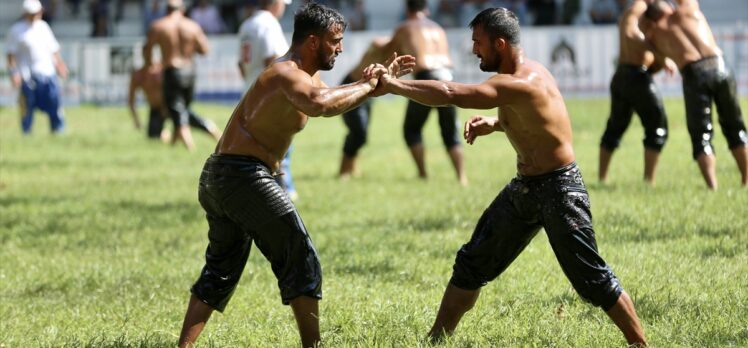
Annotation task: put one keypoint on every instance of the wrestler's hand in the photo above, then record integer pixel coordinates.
(373, 73)
(396, 66)
(400, 65)
(478, 126)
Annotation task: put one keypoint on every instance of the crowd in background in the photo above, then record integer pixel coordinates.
(224, 16)
(457, 13)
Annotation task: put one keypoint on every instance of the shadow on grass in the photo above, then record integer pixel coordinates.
(149, 340)
(725, 249)
(368, 268)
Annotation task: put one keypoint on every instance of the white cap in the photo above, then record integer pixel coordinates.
(31, 6)
(288, 2)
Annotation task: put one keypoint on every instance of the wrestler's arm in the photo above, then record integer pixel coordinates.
(661, 60)
(323, 101)
(150, 40)
(202, 41)
(438, 93)
(635, 25)
(134, 85)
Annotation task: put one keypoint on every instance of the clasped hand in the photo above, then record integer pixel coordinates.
(379, 75)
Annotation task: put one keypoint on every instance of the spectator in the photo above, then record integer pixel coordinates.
(604, 11)
(448, 13)
(75, 7)
(355, 12)
(207, 16)
(99, 18)
(518, 7)
(152, 10)
(50, 10)
(570, 11)
(34, 61)
(544, 11)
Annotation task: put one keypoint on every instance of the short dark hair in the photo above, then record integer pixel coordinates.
(498, 22)
(415, 5)
(654, 9)
(315, 19)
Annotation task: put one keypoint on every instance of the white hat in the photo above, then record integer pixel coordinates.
(31, 6)
(288, 2)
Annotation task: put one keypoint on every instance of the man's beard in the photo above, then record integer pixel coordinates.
(492, 66)
(325, 63)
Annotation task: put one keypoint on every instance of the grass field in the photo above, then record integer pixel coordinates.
(101, 236)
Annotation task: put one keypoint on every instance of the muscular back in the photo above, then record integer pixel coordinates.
(685, 35)
(265, 121)
(179, 38)
(425, 40)
(533, 115)
(632, 45)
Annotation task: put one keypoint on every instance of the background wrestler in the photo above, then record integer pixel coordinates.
(357, 119)
(179, 39)
(633, 89)
(150, 80)
(683, 35)
(426, 40)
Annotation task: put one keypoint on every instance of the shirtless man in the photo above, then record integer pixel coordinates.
(244, 203)
(357, 119)
(683, 35)
(149, 79)
(426, 40)
(548, 191)
(179, 38)
(261, 42)
(633, 89)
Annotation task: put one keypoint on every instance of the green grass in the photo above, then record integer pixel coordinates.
(101, 236)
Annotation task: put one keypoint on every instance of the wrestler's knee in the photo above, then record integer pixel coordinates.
(450, 139)
(307, 281)
(294, 259)
(412, 137)
(655, 139)
(602, 292)
(736, 137)
(467, 274)
(214, 290)
(609, 141)
(358, 137)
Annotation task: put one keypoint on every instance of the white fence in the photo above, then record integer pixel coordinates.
(581, 58)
